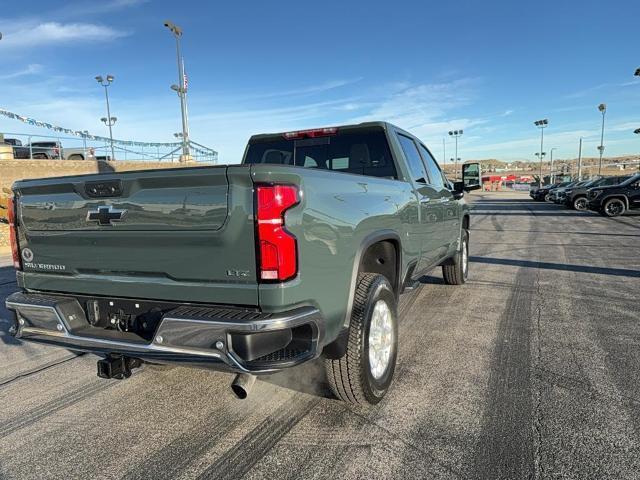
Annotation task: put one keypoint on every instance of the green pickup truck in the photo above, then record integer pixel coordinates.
(300, 251)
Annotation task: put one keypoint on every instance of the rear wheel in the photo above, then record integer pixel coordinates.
(364, 373)
(580, 203)
(40, 156)
(613, 207)
(76, 156)
(457, 272)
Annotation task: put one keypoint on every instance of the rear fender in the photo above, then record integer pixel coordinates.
(337, 348)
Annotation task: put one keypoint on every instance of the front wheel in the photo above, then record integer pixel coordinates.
(580, 203)
(456, 272)
(364, 373)
(613, 207)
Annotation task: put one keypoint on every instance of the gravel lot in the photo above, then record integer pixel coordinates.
(530, 370)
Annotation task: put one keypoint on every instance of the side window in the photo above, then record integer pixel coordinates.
(434, 171)
(413, 157)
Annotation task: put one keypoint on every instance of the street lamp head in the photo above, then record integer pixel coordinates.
(99, 79)
(637, 72)
(637, 130)
(103, 119)
(114, 119)
(175, 88)
(460, 132)
(450, 132)
(176, 30)
(602, 107)
(109, 78)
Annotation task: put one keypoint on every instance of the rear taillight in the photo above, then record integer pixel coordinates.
(13, 232)
(277, 248)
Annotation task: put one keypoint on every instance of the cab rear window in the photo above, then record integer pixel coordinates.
(362, 153)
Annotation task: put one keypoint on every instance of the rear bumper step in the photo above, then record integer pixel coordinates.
(218, 338)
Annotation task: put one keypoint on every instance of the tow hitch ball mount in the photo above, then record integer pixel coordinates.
(117, 366)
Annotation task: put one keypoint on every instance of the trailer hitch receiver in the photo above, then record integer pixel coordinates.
(117, 366)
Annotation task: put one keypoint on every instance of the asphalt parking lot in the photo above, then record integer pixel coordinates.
(530, 370)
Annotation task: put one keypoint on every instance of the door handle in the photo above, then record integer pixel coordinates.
(425, 200)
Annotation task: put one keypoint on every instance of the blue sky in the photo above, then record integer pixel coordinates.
(490, 68)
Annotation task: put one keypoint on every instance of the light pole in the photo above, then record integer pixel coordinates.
(444, 153)
(456, 134)
(580, 160)
(540, 157)
(603, 109)
(551, 164)
(541, 124)
(108, 120)
(181, 88)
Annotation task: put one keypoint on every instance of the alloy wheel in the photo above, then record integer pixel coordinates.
(380, 339)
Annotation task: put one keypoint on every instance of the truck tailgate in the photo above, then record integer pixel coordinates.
(159, 234)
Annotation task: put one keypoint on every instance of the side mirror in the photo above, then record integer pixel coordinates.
(458, 190)
(471, 176)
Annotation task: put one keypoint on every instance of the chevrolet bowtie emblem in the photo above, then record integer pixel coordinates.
(105, 215)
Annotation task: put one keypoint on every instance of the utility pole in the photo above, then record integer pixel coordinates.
(541, 124)
(181, 89)
(456, 134)
(444, 153)
(603, 109)
(580, 160)
(108, 120)
(551, 175)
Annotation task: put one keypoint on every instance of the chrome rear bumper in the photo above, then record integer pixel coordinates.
(197, 336)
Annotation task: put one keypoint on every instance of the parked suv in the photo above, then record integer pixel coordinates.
(614, 200)
(540, 193)
(576, 197)
(553, 193)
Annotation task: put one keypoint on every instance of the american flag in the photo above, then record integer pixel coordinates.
(185, 81)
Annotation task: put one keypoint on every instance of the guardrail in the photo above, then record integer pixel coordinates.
(83, 149)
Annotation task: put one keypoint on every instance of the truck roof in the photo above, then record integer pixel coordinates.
(356, 126)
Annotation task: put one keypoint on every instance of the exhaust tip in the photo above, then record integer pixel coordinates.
(239, 392)
(242, 384)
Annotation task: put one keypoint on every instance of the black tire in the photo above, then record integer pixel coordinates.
(580, 203)
(613, 207)
(76, 156)
(40, 156)
(350, 377)
(457, 272)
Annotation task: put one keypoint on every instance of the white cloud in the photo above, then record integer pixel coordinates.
(309, 90)
(31, 34)
(31, 69)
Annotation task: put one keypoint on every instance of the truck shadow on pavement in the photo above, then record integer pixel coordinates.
(307, 378)
(621, 272)
(568, 232)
